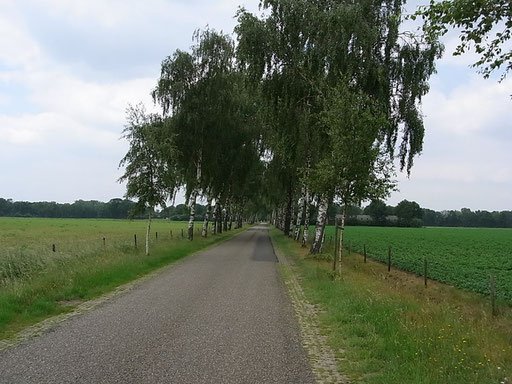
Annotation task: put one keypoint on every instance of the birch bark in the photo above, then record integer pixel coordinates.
(214, 220)
(300, 212)
(323, 204)
(148, 228)
(340, 241)
(192, 201)
(307, 213)
(207, 216)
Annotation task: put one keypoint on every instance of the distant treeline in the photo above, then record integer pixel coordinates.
(405, 214)
(410, 214)
(114, 209)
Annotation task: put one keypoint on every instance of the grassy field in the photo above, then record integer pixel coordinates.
(387, 328)
(463, 257)
(36, 282)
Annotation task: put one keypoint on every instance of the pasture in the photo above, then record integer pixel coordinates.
(36, 282)
(463, 257)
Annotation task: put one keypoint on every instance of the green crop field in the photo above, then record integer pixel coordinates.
(463, 257)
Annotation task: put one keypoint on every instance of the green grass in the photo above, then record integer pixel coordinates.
(463, 257)
(389, 329)
(36, 282)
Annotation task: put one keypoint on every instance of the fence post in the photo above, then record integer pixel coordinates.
(135, 240)
(53, 248)
(389, 259)
(170, 231)
(364, 252)
(493, 296)
(425, 271)
(156, 235)
(104, 243)
(335, 245)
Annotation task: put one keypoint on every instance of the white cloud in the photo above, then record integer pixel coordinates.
(17, 48)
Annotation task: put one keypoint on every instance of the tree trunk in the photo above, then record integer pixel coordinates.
(225, 214)
(207, 216)
(288, 212)
(292, 216)
(219, 219)
(300, 212)
(323, 204)
(192, 208)
(340, 244)
(147, 232)
(307, 213)
(192, 201)
(215, 218)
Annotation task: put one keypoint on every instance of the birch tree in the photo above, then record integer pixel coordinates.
(150, 164)
(357, 165)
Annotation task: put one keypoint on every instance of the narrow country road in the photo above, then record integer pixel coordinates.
(221, 316)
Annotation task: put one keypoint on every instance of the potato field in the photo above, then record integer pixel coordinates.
(463, 257)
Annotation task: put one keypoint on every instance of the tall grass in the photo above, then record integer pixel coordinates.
(387, 328)
(36, 282)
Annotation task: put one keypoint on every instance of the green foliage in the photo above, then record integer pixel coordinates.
(378, 210)
(356, 165)
(484, 25)
(409, 212)
(151, 170)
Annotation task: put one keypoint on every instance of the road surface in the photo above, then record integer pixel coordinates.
(221, 316)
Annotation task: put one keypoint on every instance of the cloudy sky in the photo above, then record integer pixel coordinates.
(68, 70)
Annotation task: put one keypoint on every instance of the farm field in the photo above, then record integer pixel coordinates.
(36, 282)
(463, 257)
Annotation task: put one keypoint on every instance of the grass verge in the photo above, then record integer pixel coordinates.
(387, 328)
(62, 285)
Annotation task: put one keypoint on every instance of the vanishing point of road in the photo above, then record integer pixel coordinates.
(220, 316)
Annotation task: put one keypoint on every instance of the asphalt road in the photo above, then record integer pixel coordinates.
(221, 316)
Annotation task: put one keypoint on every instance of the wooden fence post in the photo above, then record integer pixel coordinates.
(425, 271)
(493, 295)
(389, 259)
(135, 240)
(364, 252)
(53, 248)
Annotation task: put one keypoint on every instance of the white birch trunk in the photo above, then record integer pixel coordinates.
(300, 212)
(292, 216)
(147, 233)
(192, 201)
(307, 213)
(323, 204)
(214, 219)
(225, 221)
(207, 216)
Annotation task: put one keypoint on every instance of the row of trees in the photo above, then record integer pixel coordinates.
(310, 106)
(114, 209)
